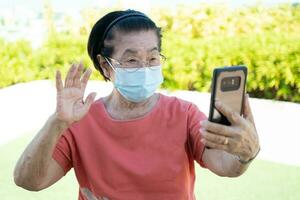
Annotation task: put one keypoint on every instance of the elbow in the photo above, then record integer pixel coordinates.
(26, 183)
(229, 173)
(234, 174)
(27, 186)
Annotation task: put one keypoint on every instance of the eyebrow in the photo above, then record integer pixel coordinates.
(133, 51)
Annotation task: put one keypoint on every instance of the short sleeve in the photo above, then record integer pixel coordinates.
(196, 146)
(63, 151)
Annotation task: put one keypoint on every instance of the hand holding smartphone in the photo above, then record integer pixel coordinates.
(228, 86)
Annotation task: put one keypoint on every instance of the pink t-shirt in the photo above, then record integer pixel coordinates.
(148, 158)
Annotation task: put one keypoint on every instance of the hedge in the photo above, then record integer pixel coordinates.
(196, 39)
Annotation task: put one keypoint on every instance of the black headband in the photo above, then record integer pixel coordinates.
(117, 20)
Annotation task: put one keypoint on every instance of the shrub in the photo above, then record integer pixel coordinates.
(196, 39)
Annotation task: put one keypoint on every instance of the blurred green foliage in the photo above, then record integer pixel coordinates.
(196, 40)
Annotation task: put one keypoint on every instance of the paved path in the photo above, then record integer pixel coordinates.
(25, 107)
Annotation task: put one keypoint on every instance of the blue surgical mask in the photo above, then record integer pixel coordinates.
(138, 84)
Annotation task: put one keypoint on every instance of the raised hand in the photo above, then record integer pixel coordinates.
(240, 138)
(70, 106)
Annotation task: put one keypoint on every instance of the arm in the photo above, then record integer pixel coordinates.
(223, 163)
(36, 169)
(231, 147)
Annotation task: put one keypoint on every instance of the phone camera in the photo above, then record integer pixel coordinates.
(230, 83)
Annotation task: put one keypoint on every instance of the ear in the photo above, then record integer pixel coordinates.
(104, 66)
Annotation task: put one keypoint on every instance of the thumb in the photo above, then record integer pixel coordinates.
(89, 100)
(247, 110)
(88, 194)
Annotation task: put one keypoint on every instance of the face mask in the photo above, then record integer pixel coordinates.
(138, 84)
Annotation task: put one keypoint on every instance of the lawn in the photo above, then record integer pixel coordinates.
(263, 181)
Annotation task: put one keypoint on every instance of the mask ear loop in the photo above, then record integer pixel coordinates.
(110, 64)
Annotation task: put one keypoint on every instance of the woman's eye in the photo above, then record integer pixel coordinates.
(154, 60)
(132, 60)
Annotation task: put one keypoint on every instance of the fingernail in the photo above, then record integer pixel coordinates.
(202, 141)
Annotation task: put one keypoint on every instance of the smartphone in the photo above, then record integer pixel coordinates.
(228, 86)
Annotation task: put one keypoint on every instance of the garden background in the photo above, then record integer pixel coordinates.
(196, 39)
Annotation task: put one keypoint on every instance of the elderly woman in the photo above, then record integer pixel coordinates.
(133, 143)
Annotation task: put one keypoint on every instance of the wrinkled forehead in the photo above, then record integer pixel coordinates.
(135, 43)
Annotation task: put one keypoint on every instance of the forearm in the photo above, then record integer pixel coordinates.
(32, 165)
(222, 163)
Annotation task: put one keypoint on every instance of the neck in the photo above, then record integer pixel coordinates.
(119, 102)
(121, 109)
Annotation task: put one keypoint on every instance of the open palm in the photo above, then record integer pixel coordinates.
(70, 106)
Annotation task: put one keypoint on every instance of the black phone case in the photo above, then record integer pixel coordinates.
(216, 74)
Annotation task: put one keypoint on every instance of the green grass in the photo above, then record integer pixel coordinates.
(66, 188)
(263, 181)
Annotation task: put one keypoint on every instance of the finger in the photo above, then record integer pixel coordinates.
(209, 136)
(70, 75)
(248, 112)
(247, 109)
(88, 194)
(77, 76)
(85, 78)
(226, 111)
(218, 128)
(214, 145)
(89, 100)
(59, 84)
